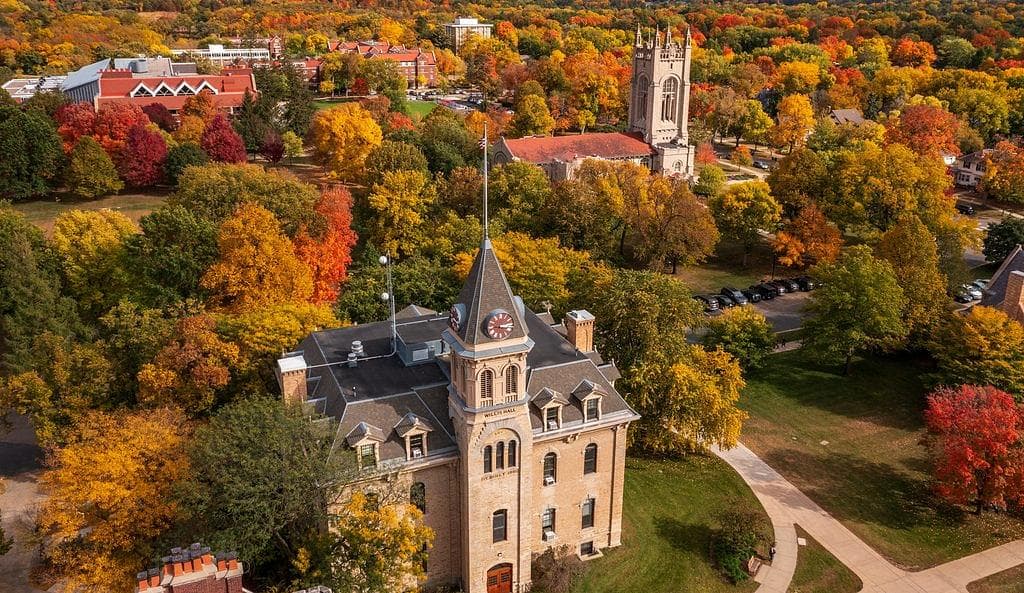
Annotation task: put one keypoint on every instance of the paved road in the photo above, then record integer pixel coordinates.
(20, 461)
(786, 505)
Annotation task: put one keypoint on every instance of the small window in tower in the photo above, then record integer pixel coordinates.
(487, 387)
(511, 453)
(499, 456)
(499, 523)
(669, 94)
(487, 459)
(512, 381)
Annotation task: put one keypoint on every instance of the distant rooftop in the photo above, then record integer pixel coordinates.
(465, 21)
(158, 66)
(24, 88)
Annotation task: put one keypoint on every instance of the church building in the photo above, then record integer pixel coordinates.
(657, 135)
(501, 425)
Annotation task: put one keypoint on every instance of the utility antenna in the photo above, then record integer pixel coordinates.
(483, 144)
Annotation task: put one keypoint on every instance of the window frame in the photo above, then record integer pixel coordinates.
(551, 471)
(595, 402)
(422, 439)
(488, 459)
(499, 456)
(587, 511)
(547, 520)
(548, 419)
(512, 453)
(501, 514)
(590, 459)
(368, 455)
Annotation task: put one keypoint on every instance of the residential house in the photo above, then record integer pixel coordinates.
(1005, 291)
(970, 168)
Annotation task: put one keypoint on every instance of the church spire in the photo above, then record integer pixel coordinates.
(688, 37)
(638, 42)
(483, 144)
(668, 38)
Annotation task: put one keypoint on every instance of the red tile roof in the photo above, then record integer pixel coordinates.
(116, 87)
(609, 145)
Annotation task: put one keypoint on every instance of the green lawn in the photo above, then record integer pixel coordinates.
(670, 510)
(854, 445)
(420, 109)
(818, 571)
(43, 212)
(725, 268)
(1008, 581)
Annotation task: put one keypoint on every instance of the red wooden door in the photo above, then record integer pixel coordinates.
(499, 579)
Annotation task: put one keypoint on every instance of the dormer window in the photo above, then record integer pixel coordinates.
(592, 409)
(552, 417)
(417, 446)
(368, 455)
(589, 395)
(414, 430)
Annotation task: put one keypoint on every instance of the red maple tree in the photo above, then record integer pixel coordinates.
(222, 142)
(925, 130)
(161, 116)
(113, 121)
(74, 120)
(272, 147)
(976, 441)
(142, 163)
(329, 255)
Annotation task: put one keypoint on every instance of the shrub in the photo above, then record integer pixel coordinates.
(737, 539)
(91, 173)
(179, 157)
(556, 570)
(742, 332)
(710, 182)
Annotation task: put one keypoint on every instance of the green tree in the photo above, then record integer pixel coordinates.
(182, 156)
(1002, 238)
(417, 281)
(914, 256)
(30, 291)
(171, 254)
(743, 332)
(743, 211)
(215, 191)
(518, 192)
(798, 180)
(30, 153)
(292, 144)
(710, 181)
(397, 204)
(983, 347)
(859, 307)
(91, 173)
(532, 118)
(91, 245)
(393, 155)
(262, 482)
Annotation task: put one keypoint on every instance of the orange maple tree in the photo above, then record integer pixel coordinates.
(808, 238)
(329, 256)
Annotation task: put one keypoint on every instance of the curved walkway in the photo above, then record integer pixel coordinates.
(786, 505)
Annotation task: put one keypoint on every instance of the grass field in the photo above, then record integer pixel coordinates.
(669, 514)
(818, 571)
(725, 268)
(1008, 581)
(854, 445)
(417, 109)
(42, 213)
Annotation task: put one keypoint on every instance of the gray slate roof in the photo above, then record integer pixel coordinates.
(995, 292)
(486, 290)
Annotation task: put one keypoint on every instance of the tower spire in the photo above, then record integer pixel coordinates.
(668, 37)
(639, 41)
(483, 144)
(688, 37)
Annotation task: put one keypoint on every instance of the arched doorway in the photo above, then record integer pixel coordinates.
(499, 579)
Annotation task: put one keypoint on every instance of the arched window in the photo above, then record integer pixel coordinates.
(499, 456)
(511, 453)
(487, 459)
(418, 496)
(512, 380)
(669, 95)
(590, 459)
(550, 468)
(641, 97)
(487, 386)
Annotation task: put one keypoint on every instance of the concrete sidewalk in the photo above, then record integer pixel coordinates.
(786, 505)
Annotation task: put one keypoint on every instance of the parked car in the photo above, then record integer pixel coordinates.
(791, 285)
(723, 301)
(806, 283)
(754, 296)
(710, 304)
(981, 283)
(965, 209)
(738, 297)
(973, 290)
(962, 295)
(780, 286)
(768, 292)
(763, 165)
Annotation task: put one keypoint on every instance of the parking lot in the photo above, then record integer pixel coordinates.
(785, 312)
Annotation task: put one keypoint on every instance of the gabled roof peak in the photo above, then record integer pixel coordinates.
(486, 291)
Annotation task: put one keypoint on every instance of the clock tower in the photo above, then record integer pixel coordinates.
(489, 343)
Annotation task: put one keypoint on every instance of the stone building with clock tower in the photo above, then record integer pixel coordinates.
(502, 425)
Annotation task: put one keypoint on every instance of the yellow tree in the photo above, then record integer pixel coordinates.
(397, 206)
(91, 248)
(983, 347)
(188, 372)
(687, 399)
(274, 329)
(257, 264)
(913, 252)
(797, 77)
(796, 116)
(342, 137)
(110, 496)
(745, 210)
(532, 118)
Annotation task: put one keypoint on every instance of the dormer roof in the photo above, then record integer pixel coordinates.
(588, 388)
(364, 432)
(546, 397)
(412, 423)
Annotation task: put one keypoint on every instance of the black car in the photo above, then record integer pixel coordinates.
(754, 296)
(965, 209)
(723, 301)
(962, 295)
(790, 284)
(737, 296)
(768, 292)
(710, 304)
(780, 286)
(806, 283)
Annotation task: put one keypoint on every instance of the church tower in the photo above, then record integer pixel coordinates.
(659, 106)
(489, 341)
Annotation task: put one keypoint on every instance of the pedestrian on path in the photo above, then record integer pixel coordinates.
(771, 554)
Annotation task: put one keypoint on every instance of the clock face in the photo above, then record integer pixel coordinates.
(498, 325)
(455, 318)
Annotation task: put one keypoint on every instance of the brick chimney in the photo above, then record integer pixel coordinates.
(291, 376)
(1013, 301)
(579, 329)
(193, 570)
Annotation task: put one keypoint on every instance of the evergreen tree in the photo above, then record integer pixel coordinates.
(182, 156)
(30, 153)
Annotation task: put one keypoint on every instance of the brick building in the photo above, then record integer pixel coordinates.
(417, 65)
(193, 570)
(1005, 291)
(658, 132)
(503, 426)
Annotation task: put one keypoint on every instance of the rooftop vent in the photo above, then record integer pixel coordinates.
(139, 66)
(357, 348)
(352, 359)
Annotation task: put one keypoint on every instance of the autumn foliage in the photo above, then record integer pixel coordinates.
(925, 129)
(809, 238)
(329, 255)
(221, 142)
(142, 163)
(976, 440)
